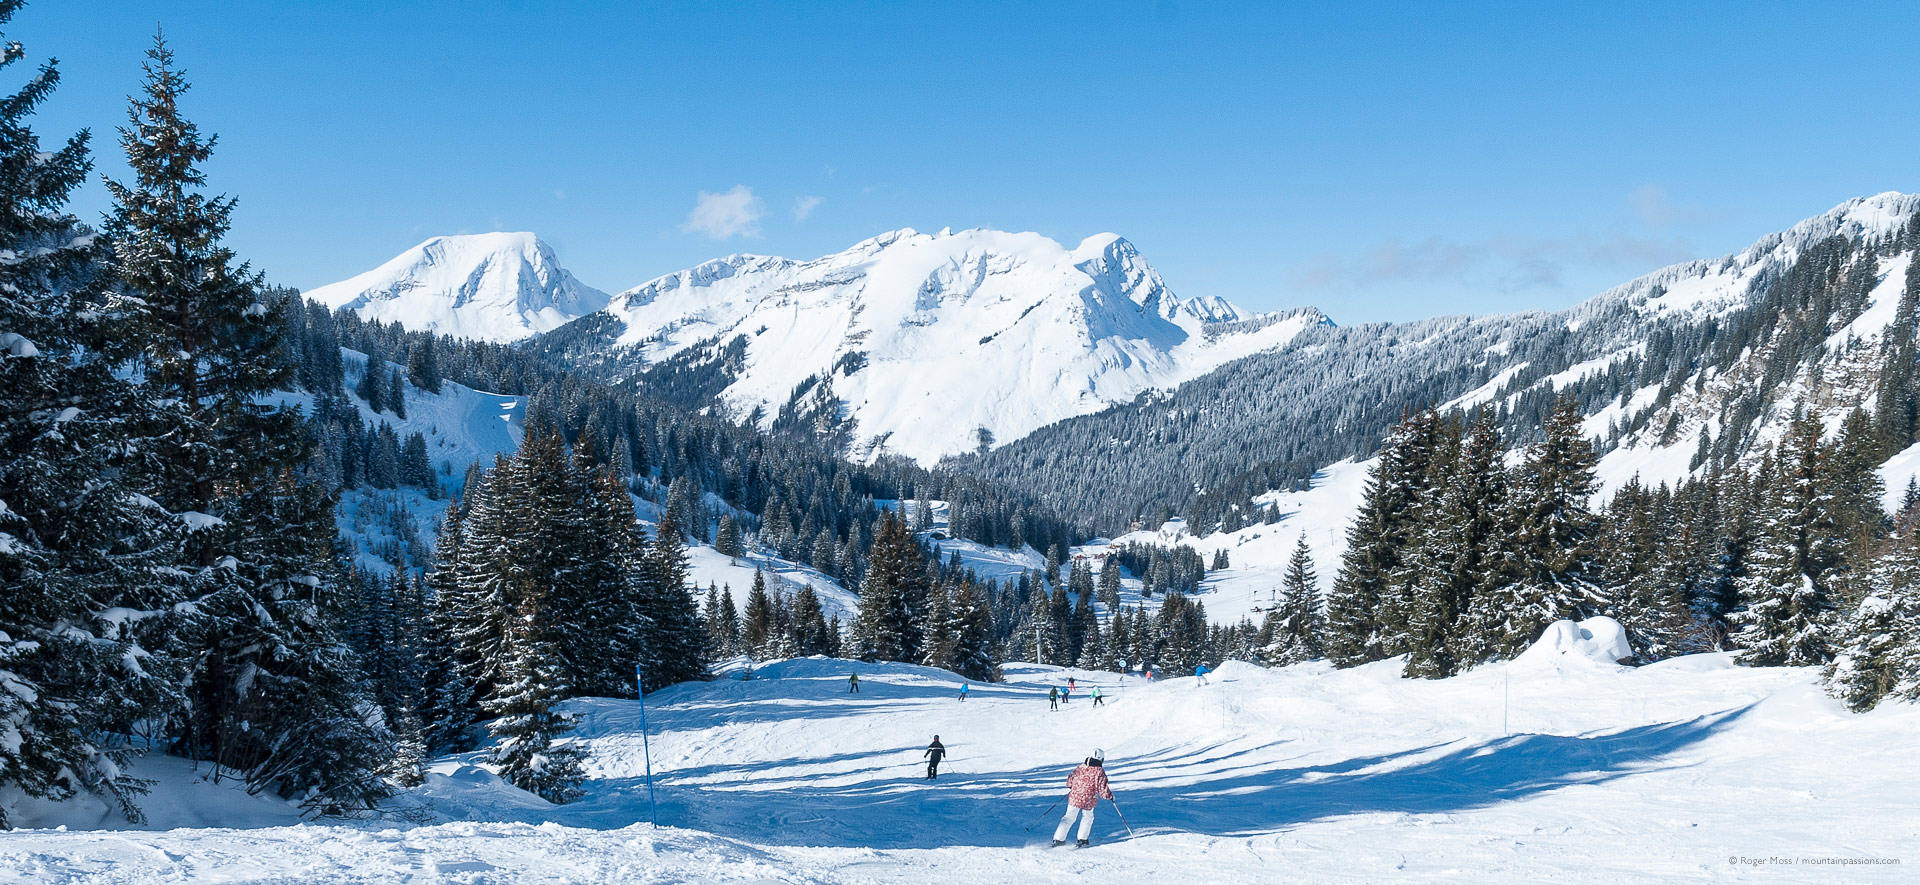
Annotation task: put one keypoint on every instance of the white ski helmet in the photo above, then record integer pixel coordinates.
(1100, 755)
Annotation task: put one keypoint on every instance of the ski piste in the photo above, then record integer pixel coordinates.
(1308, 774)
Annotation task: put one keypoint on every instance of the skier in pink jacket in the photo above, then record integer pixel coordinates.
(1086, 786)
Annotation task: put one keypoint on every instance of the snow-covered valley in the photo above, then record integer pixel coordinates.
(1553, 767)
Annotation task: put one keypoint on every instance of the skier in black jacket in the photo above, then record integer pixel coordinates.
(935, 750)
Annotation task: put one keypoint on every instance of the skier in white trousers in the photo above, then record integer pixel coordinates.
(1085, 787)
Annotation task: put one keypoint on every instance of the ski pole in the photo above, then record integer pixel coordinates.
(1123, 818)
(1043, 815)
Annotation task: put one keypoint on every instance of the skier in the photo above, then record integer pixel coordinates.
(1086, 786)
(1201, 673)
(1066, 694)
(1053, 697)
(1149, 675)
(934, 751)
(1096, 696)
(853, 683)
(1071, 685)
(963, 691)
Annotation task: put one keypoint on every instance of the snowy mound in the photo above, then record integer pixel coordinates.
(1595, 640)
(494, 287)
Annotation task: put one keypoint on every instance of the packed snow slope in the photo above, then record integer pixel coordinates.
(919, 340)
(494, 287)
(1558, 767)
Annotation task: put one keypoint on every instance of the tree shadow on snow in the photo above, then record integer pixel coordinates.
(1180, 789)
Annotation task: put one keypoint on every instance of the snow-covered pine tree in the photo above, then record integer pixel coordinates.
(710, 623)
(757, 630)
(609, 643)
(74, 541)
(672, 644)
(1459, 525)
(1296, 628)
(727, 540)
(809, 623)
(1039, 634)
(973, 636)
(1787, 615)
(1547, 543)
(1878, 646)
(939, 633)
(449, 704)
(1109, 586)
(1183, 623)
(396, 398)
(272, 691)
(1093, 647)
(1356, 631)
(1429, 453)
(423, 367)
(525, 723)
(892, 596)
(1650, 600)
(729, 626)
(373, 385)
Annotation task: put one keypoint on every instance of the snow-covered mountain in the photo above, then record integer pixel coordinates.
(1701, 363)
(912, 343)
(494, 287)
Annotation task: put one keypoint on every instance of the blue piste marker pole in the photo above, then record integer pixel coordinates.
(653, 809)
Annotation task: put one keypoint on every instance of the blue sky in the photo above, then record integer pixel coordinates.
(1380, 161)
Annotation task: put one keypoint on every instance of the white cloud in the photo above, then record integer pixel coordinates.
(1658, 211)
(804, 206)
(1506, 264)
(719, 216)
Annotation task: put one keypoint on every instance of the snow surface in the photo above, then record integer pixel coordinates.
(1554, 767)
(494, 287)
(981, 328)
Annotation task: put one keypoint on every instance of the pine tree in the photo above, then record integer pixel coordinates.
(1109, 591)
(973, 634)
(729, 625)
(423, 366)
(1547, 544)
(1357, 631)
(272, 690)
(396, 398)
(609, 641)
(450, 705)
(74, 540)
(526, 724)
(674, 650)
(940, 633)
(1296, 628)
(809, 624)
(372, 386)
(893, 595)
(727, 540)
(1787, 617)
(757, 631)
(1879, 645)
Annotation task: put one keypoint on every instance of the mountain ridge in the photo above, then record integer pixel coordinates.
(502, 286)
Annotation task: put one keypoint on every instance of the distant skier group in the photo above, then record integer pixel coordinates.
(1086, 786)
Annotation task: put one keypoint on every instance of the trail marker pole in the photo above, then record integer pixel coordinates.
(646, 749)
(1506, 700)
